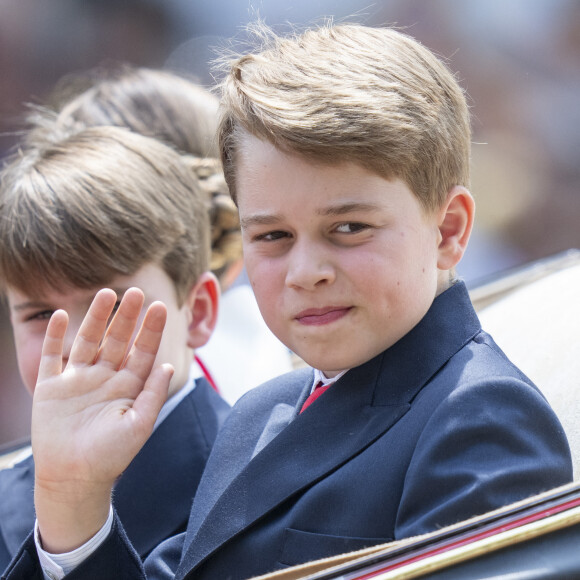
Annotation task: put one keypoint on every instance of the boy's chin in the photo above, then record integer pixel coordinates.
(330, 367)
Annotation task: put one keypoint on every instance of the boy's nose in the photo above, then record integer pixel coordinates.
(309, 267)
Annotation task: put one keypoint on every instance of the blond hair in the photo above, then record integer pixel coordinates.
(159, 104)
(99, 203)
(338, 93)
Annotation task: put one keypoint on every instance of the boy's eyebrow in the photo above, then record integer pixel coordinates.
(259, 220)
(347, 207)
(29, 304)
(334, 210)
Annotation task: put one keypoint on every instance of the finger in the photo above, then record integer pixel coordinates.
(154, 394)
(120, 331)
(52, 347)
(142, 356)
(88, 339)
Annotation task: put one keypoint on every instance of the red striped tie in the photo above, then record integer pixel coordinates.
(318, 390)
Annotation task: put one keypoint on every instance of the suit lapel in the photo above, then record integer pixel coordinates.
(412, 362)
(273, 408)
(357, 410)
(339, 427)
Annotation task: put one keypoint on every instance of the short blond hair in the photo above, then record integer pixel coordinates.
(96, 204)
(372, 96)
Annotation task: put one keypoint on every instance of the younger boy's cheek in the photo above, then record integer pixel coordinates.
(28, 363)
(28, 377)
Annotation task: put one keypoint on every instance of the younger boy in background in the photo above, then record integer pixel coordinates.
(346, 149)
(105, 207)
(182, 114)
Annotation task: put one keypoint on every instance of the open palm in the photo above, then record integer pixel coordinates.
(91, 418)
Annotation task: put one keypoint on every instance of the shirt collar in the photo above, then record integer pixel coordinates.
(320, 378)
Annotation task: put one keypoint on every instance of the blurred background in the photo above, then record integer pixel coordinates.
(519, 61)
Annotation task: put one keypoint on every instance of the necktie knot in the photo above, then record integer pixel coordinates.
(318, 390)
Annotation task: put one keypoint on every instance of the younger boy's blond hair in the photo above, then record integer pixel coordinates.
(349, 93)
(88, 206)
(155, 103)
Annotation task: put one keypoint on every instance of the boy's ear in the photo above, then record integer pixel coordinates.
(202, 302)
(455, 223)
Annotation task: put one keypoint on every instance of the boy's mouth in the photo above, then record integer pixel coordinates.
(319, 316)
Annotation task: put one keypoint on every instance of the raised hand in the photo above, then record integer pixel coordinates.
(91, 417)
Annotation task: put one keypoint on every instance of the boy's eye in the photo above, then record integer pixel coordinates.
(41, 315)
(271, 236)
(351, 227)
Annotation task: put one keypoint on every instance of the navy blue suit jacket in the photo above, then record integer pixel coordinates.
(438, 428)
(153, 496)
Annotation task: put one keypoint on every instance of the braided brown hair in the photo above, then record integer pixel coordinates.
(226, 237)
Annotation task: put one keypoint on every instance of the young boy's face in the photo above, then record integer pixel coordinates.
(29, 317)
(343, 262)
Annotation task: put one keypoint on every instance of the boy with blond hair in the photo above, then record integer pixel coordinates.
(104, 207)
(346, 149)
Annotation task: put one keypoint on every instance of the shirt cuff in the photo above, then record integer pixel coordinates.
(56, 566)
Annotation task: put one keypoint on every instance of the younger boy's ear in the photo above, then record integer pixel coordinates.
(455, 223)
(202, 301)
